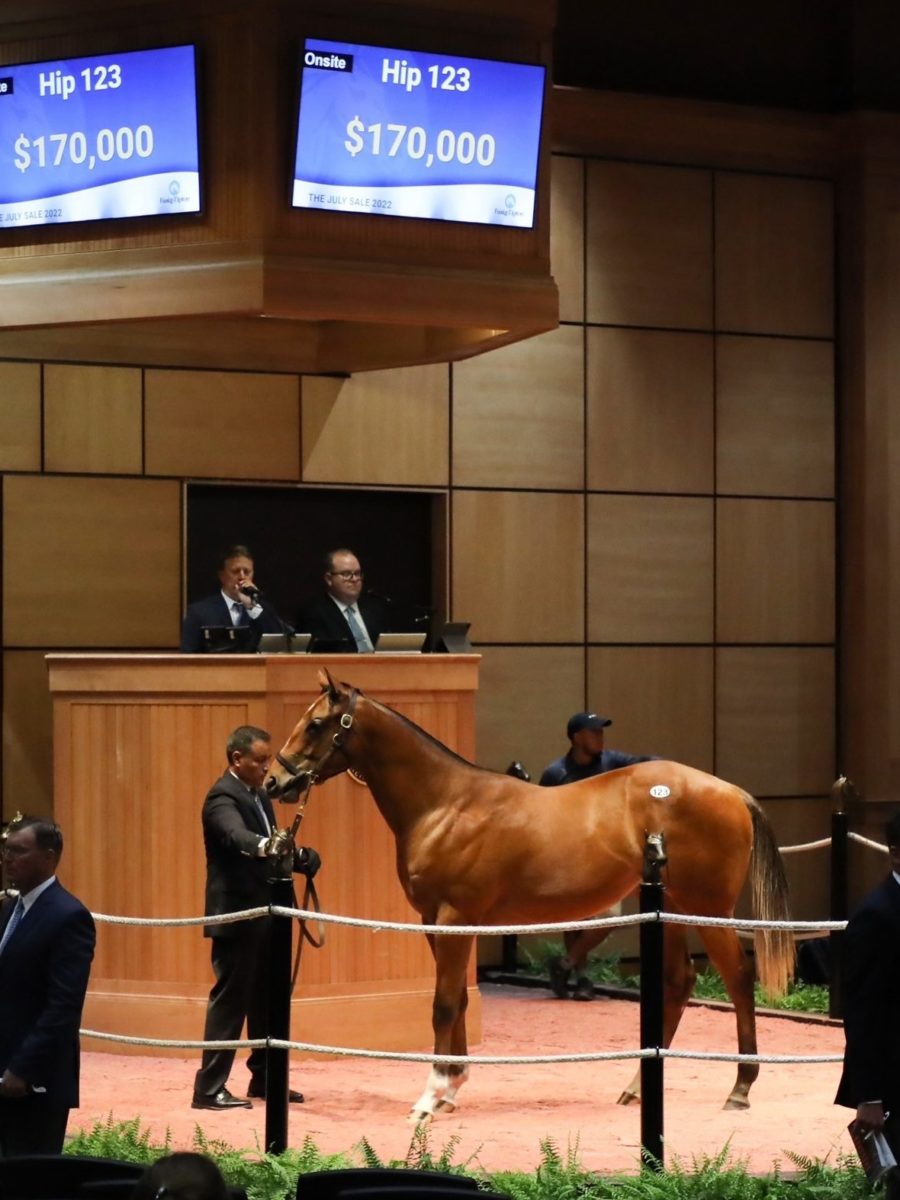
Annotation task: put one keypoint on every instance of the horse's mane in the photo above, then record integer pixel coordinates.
(423, 733)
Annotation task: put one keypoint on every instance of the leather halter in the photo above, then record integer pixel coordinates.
(311, 776)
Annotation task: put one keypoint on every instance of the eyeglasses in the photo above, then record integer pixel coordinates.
(347, 576)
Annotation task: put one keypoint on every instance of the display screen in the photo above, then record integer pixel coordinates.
(85, 139)
(402, 133)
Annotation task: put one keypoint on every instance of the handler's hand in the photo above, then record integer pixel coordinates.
(11, 1086)
(308, 861)
(870, 1116)
(279, 844)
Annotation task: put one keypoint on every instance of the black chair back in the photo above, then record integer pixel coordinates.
(327, 1185)
(44, 1176)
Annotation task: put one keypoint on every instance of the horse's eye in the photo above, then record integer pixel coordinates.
(316, 723)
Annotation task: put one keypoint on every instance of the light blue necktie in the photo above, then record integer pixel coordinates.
(18, 914)
(363, 645)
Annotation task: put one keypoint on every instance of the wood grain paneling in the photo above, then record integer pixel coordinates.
(518, 565)
(775, 719)
(518, 414)
(93, 421)
(650, 569)
(660, 699)
(567, 235)
(27, 735)
(774, 417)
(214, 424)
(795, 822)
(388, 427)
(649, 246)
(90, 562)
(511, 726)
(650, 411)
(775, 571)
(119, 721)
(774, 255)
(20, 416)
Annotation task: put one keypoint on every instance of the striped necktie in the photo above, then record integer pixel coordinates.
(18, 914)
(363, 645)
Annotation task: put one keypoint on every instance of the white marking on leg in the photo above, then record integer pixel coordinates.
(435, 1089)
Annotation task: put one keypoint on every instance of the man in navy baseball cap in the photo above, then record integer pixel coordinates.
(586, 757)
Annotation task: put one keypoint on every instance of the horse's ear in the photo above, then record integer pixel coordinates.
(327, 684)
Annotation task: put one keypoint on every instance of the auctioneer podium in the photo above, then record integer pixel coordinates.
(139, 738)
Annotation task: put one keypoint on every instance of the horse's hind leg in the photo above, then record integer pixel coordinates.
(448, 1019)
(579, 943)
(679, 975)
(736, 968)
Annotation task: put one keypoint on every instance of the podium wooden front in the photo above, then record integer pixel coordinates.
(139, 739)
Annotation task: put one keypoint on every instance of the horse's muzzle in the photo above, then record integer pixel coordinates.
(288, 790)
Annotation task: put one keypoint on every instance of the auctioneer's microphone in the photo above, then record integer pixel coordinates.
(248, 589)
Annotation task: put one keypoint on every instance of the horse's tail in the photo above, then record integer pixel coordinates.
(769, 891)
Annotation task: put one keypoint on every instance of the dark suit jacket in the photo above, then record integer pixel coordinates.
(236, 877)
(871, 998)
(44, 971)
(214, 611)
(324, 620)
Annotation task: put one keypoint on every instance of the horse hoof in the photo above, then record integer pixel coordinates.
(629, 1098)
(741, 1102)
(418, 1117)
(445, 1106)
(584, 989)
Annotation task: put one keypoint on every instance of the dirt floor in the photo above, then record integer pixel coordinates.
(505, 1111)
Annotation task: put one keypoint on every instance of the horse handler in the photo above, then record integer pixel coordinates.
(243, 848)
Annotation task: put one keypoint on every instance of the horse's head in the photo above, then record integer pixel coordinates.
(316, 748)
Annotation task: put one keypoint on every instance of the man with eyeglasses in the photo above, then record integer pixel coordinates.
(344, 619)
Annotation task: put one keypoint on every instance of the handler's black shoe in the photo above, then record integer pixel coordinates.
(220, 1101)
(559, 978)
(257, 1090)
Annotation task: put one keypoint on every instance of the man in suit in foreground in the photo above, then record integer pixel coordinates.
(870, 1082)
(238, 604)
(342, 616)
(243, 850)
(46, 947)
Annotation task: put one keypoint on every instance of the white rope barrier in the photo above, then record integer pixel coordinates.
(864, 841)
(804, 846)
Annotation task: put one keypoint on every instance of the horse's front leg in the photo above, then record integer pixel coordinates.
(448, 1020)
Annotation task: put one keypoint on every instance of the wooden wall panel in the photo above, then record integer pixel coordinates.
(221, 425)
(650, 411)
(90, 562)
(775, 710)
(510, 724)
(379, 427)
(518, 565)
(567, 235)
(27, 741)
(774, 417)
(797, 821)
(93, 419)
(518, 414)
(774, 255)
(660, 699)
(20, 416)
(649, 246)
(775, 571)
(650, 569)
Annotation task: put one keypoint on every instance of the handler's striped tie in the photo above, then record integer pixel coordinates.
(18, 914)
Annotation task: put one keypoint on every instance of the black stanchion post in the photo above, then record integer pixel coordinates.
(278, 1024)
(839, 826)
(651, 944)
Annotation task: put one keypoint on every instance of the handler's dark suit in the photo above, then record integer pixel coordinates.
(236, 878)
(44, 971)
(871, 997)
(326, 622)
(215, 612)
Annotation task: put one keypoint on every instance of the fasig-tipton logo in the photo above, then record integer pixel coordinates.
(6, 85)
(328, 60)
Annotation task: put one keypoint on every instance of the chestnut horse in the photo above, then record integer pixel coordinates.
(479, 848)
